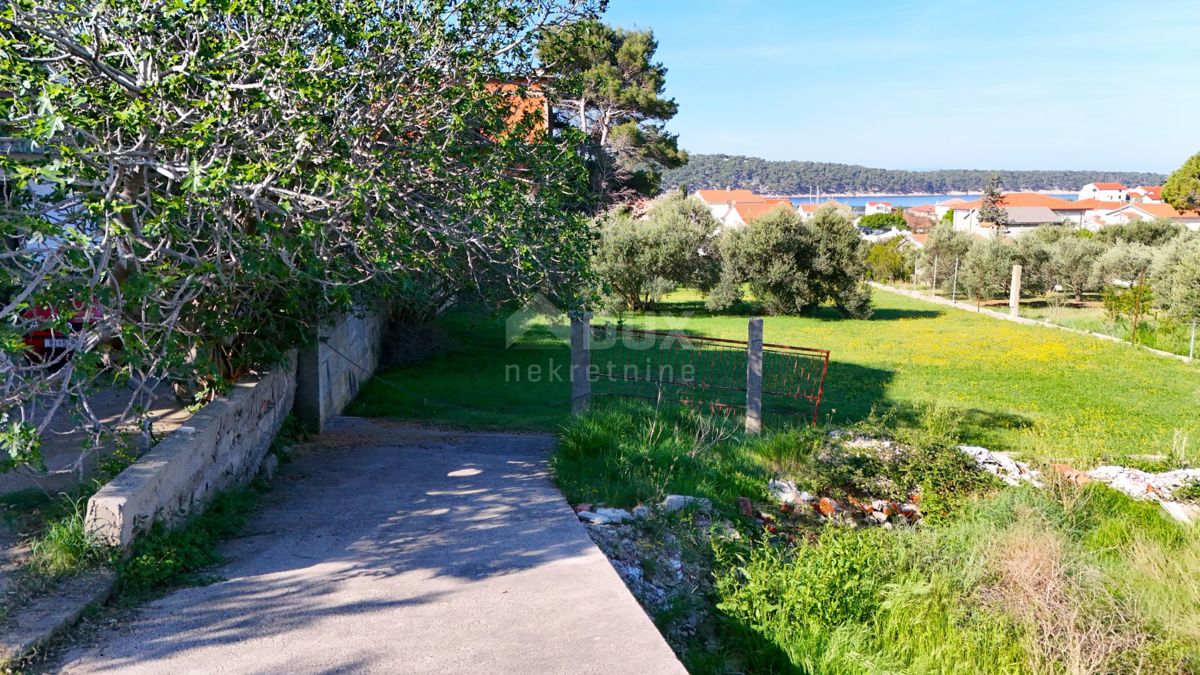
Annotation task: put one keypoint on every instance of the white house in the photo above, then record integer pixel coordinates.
(1135, 212)
(719, 202)
(807, 211)
(1147, 194)
(877, 207)
(742, 214)
(966, 214)
(1105, 192)
(944, 207)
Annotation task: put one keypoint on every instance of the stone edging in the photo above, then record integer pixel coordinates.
(221, 446)
(918, 295)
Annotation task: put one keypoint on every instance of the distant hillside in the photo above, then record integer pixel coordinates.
(801, 178)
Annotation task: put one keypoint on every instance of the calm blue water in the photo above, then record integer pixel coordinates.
(906, 200)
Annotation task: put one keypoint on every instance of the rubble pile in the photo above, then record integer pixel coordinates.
(1002, 465)
(1159, 487)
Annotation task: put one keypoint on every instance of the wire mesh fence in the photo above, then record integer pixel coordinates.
(705, 372)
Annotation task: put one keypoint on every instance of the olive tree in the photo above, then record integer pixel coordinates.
(944, 250)
(636, 261)
(1124, 263)
(212, 180)
(792, 266)
(987, 269)
(1071, 261)
(1175, 275)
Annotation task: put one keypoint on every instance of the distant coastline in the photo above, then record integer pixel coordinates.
(837, 195)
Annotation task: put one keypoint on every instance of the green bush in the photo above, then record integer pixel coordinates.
(791, 266)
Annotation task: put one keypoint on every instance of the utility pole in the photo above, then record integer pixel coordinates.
(935, 268)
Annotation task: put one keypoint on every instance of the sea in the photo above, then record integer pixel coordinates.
(905, 200)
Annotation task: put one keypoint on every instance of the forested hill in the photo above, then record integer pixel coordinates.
(801, 178)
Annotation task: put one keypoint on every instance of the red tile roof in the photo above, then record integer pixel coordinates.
(812, 208)
(751, 211)
(923, 208)
(1161, 211)
(1025, 199)
(1094, 205)
(1109, 186)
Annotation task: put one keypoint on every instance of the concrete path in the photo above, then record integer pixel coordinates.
(63, 439)
(385, 548)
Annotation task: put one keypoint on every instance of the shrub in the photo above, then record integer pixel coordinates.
(625, 454)
(883, 221)
(791, 266)
(1071, 262)
(638, 261)
(65, 548)
(796, 599)
(163, 556)
(987, 269)
(886, 261)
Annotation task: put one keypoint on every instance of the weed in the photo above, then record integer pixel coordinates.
(1189, 492)
(65, 548)
(164, 557)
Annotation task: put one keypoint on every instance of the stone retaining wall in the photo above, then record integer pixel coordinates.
(221, 446)
(330, 373)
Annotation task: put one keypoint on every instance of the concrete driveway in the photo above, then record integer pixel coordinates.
(385, 548)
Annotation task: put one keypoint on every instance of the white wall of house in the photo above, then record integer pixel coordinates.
(732, 219)
(877, 207)
(1092, 191)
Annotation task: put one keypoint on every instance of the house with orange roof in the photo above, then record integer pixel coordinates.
(921, 218)
(1143, 211)
(807, 211)
(742, 214)
(877, 207)
(719, 202)
(1146, 194)
(1105, 192)
(946, 206)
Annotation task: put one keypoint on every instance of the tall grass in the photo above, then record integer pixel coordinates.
(1021, 580)
(64, 547)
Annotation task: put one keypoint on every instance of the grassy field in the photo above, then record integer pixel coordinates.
(1065, 579)
(1047, 394)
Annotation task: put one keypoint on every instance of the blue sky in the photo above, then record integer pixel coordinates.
(999, 84)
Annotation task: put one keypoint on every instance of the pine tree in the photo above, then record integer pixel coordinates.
(991, 211)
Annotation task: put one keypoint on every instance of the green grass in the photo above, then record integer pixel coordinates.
(165, 557)
(1045, 393)
(1062, 579)
(476, 382)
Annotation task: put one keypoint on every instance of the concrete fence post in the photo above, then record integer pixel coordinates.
(581, 361)
(1014, 292)
(1192, 345)
(754, 376)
